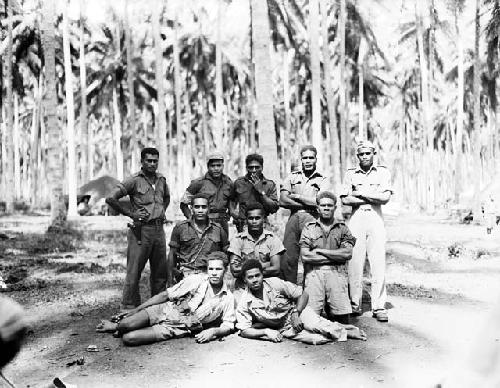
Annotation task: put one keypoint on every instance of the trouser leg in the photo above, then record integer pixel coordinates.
(357, 262)
(290, 259)
(158, 261)
(315, 323)
(375, 245)
(137, 255)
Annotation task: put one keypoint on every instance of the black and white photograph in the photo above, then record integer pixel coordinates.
(249, 193)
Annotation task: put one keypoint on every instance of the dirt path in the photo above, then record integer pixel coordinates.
(442, 280)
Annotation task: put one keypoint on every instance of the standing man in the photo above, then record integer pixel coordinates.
(255, 243)
(366, 188)
(149, 198)
(298, 194)
(219, 189)
(193, 240)
(326, 247)
(254, 187)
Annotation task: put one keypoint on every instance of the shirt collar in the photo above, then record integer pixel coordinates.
(210, 224)
(359, 169)
(157, 174)
(211, 179)
(265, 233)
(335, 223)
(315, 174)
(224, 289)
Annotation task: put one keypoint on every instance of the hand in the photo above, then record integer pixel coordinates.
(295, 197)
(205, 336)
(255, 178)
(140, 215)
(274, 335)
(118, 317)
(297, 324)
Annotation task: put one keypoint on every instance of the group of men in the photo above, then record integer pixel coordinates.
(193, 293)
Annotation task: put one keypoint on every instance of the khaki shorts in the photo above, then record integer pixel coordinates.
(167, 321)
(328, 286)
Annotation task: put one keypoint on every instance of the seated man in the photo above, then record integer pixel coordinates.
(255, 243)
(271, 309)
(194, 306)
(326, 246)
(192, 240)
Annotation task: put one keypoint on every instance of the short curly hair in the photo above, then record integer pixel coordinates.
(326, 194)
(251, 264)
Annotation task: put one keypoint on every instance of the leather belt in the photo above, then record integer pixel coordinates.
(156, 222)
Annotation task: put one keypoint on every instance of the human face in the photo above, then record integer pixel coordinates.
(200, 209)
(308, 159)
(254, 168)
(215, 271)
(326, 208)
(215, 168)
(150, 163)
(365, 157)
(254, 279)
(255, 220)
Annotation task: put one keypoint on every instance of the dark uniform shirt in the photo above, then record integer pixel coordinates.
(192, 248)
(153, 196)
(219, 192)
(338, 236)
(246, 193)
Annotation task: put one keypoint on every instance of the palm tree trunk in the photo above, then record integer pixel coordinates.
(70, 110)
(35, 143)
(361, 106)
(316, 80)
(477, 109)
(84, 126)
(178, 93)
(159, 76)
(189, 146)
(219, 105)
(287, 54)
(17, 144)
(263, 86)
(342, 87)
(54, 173)
(9, 170)
(130, 83)
(330, 100)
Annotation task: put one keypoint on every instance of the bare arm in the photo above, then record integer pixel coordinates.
(289, 203)
(208, 335)
(375, 198)
(338, 256)
(312, 257)
(351, 200)
(306, 201)
(114, 203)
(171, 266)
(185, 210)
(162, 297)
(235, 264)
(273, 267)
(302, 301)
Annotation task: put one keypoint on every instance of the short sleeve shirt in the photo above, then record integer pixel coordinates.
(199, 295)
(246, 193)
(266, 246)
(219, 193)
(278, 300)
(376, 179)
(298, 183)
(338, 236)
(192, 248)
(153, 196)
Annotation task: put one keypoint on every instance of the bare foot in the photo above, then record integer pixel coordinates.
(354, 332)
(106, 326)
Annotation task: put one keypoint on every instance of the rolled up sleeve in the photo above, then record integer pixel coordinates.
(243, 316)
(228, 314)
(385, 181)
(287, 185)
(276, 247)
(175, 238)
(347, 240)
(127, 186)
(347, 186)
(184, 287)
(305, 237)
(235, 246)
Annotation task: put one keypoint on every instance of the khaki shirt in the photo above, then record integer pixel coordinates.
(219, 193)
(298, 183)
(376, 179)
(193, 248)
(143, 194)
(199, 295)
(246, 193)
(338, 236)
(279, 298)
(266, 246)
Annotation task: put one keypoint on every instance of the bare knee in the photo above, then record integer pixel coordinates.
(131, 339)
(125, 326)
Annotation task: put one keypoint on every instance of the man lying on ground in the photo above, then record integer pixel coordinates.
(196, 305)
(271, 309)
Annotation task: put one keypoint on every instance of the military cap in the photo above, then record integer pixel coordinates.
(365, 144)
(215, 156)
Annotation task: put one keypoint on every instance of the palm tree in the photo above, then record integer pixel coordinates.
(54, 173)
(161, 127)
(316, 79)
(263, 85)
(130, 82)
(341, 30)
(84, 127)
(70, 111)
(9, 165)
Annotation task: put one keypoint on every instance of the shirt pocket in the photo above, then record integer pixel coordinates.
(215, 242)
(144, 194)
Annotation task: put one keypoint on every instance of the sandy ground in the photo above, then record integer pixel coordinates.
(442, 282)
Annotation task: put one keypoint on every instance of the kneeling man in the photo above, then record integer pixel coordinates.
(271, 309)
(196, 305)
